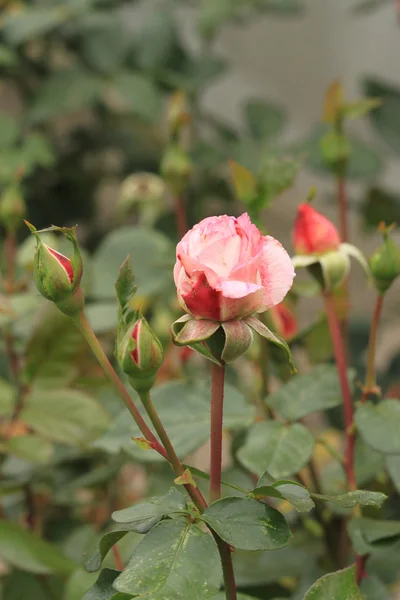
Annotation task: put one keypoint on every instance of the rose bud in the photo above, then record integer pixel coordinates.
(284, 320)
(313, 233)
(176, 167)
(140, 354)
(385, 262)
(225, 269)
(56, 276)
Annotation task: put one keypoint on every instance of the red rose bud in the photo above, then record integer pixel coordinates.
(140, 355)
(385, 263)
(56, 276)
(313, 233)
(284, 320)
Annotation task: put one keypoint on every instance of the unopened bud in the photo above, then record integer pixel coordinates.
(385, 262)
(56, 276)
(313, 233)
(12, 207)
(176, 168)
(140, 354)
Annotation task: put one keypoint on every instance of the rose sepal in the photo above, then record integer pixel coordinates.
(262, 330)
(331, 268)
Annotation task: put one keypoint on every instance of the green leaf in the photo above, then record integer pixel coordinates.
(31, 448)
(64, 415)
(360, 108)
(277, 448)
(103, 588)
(53, 351)
(133, 93)
(335, 147)
(222, 596)
(264, 120)
(157, 41)
(368, 535)
(341, 585)
(372, 588)
(126, 288)
(147, 514)
(364, 162)
(32, 23)
(196, 74)
(350, 499)
(277, 173)
(8, 57)
(77, 584)
(105, 41)
(175, 561)
(107, 541)
(247, 524)
(19, 585)
(368, 463)
(185, 413)
(64, 92)
(291, 491)
(9, 130)
(262, 568)
(385, 118)
(150, 252)
(304, 394)
(393, 466)
(380, 205)
(23, 550)
(379, 425)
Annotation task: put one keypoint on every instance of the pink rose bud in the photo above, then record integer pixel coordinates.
(58, 277)
(225, 269)
(140, 354)
(284, 320)
(313, 233)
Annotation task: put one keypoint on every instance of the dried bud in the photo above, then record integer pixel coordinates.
(385, 262)
(56, 276)
(313, 233)
(140, 354)
(143, 193)
(176, 168)
(12, 207)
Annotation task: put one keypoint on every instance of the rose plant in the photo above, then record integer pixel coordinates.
(255, 454)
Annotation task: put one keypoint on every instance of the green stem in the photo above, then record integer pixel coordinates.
(264, 367)
(217, 410)
(370, 378)
(176, 464)
(83, 325)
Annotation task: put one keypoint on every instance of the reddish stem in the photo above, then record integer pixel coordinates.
(119, 564)
(180, 214)
(360, 567)
(340, 358)
(370, 379)
(217, 409)
(342, 200)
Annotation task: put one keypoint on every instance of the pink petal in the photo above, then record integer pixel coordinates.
(276, 272)
(238, 289)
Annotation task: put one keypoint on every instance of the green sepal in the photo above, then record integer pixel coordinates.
(385, 263)
(275, 339)
(238, 339)
(199, 346)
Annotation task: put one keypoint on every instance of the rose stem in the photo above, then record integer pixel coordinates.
(172, 457)
(217, 409)
(370, 378)
(180, 215)
(118, 558)
(83, 325)
(350, 437)
(340, 359)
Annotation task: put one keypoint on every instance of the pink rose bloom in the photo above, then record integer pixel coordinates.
(225, 269)
(313, 233)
